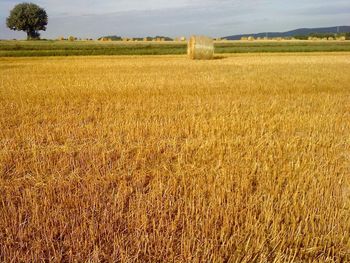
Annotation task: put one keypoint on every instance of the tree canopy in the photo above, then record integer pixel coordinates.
(28, 17)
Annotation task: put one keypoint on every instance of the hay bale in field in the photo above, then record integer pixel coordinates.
(104, 39)
(200, 47)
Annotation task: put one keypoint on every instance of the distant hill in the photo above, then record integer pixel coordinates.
(296, 32)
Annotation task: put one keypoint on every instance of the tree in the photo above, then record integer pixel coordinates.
(28, 17)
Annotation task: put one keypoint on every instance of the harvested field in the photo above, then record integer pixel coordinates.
(164, 159)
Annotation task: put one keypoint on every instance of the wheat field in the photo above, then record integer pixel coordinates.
(245, 158)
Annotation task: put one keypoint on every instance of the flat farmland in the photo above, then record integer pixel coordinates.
(97, 48)
(162, 159)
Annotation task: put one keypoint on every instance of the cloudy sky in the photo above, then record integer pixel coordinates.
(132, 18)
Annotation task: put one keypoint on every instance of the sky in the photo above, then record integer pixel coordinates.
(215, 18)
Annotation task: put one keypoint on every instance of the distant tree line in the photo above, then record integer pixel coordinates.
(119, 38)
(323, 36)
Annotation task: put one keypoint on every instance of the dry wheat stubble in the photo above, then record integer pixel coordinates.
(133, 159)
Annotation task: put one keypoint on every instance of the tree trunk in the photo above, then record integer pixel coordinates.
(32, 34)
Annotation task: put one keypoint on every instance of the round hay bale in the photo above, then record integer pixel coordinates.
(200, 47)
